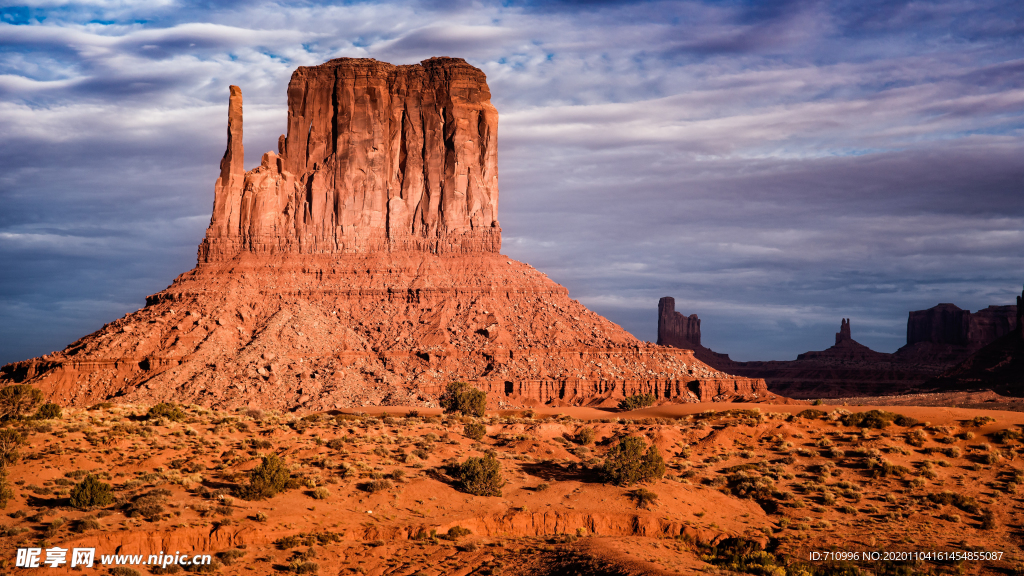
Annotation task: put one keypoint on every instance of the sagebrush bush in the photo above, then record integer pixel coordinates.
(877, 419)
(631, 461)
(19, 400)
(376, 486)
(584, 436)
(474, 430)
(267, 479)
(480, 476)
(456, 532)
(10, 440)
(637, 402)
(643, 497)
(91, 493)
(48, 411)
(166, 410)
(321, 493)
(461, 398)
(6, 494)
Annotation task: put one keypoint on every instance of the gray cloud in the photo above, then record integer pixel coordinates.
(773, 167)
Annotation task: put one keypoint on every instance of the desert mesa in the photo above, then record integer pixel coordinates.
(359, 265)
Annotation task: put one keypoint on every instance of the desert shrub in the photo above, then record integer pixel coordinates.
(950, 517)
(228, 557)
(880, 467)
(321, 493)
(148, 506)
(966, 503)
(474, 430)
(916, 438)
(876, 419)
(905, 421)
(397, 474)
(85, 524)
(979, 421)
(166, 410)
(988, 519)
(123, 571)
(990, 458)
(584, 436)
(10, 440)
(643, 497)
(480, 476)
(336, 443)
(1001, 436)
(303, 567)
(455, 532)
(631, 461)
(812, 414)
(637, 401)
(48, 411)
(461, 398)
(376, 486)
(263, 444)
(91, 493)
(267, 479)
(966, 435)
(19, 400)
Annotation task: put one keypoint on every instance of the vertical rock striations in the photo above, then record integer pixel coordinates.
(377, 158)
(358, 265)
(674, 329)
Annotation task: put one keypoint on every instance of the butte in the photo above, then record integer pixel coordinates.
(359, 265)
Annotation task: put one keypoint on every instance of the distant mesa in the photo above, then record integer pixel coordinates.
(939, 339)
(998, 365)
(359, 265)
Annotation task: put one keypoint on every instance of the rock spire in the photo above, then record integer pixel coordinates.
(844, 332)
(674, 329)
(377, 158)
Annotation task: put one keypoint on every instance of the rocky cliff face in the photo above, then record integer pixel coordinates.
(674, 329)
(377, 158)
(942, 324)
(358, 265)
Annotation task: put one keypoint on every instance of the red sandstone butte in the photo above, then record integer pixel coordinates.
(359, 265)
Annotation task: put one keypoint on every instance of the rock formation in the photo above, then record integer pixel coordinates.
(674, 329)
(359, 265)
(844, 332)
(937, 340)
(999, 365)
(377, 158)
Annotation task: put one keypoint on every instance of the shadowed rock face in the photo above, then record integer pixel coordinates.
(844, 332)
(358, 265)
(377, 158)
(674, 329)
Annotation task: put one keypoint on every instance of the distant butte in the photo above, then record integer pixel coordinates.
(359, 265)
(938, 340)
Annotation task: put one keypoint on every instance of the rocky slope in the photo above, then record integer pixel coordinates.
(359, 266)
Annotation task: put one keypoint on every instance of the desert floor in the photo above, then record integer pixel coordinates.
(373, 494)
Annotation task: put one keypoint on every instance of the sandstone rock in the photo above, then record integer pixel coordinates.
(674, 329)
(377, 157)
(844, 332)
(358, 265)
(942, 324)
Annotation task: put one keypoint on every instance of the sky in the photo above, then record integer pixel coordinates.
(773, 166)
